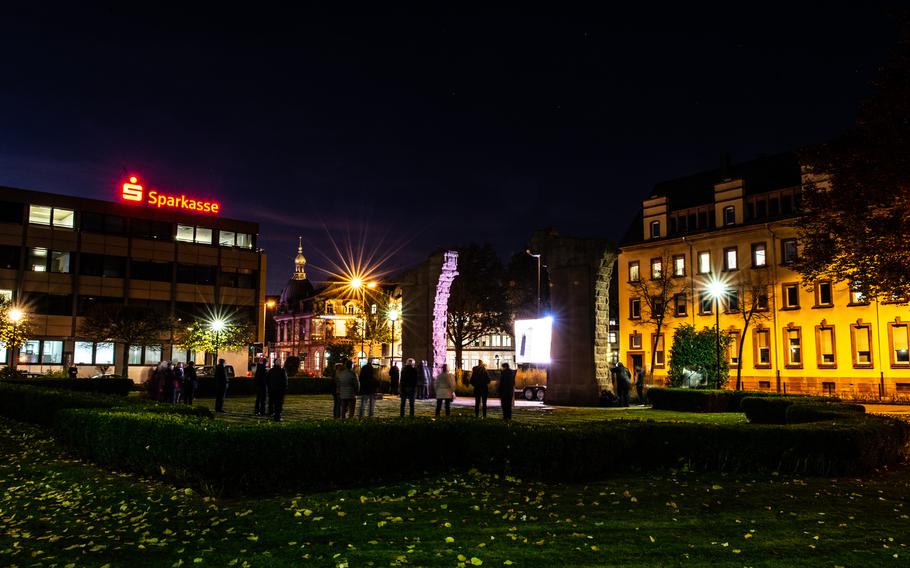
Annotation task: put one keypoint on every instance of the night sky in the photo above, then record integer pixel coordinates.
(412, 130)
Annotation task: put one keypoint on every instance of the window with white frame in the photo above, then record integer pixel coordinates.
(91, 353)
(759, 255)
(731, 260)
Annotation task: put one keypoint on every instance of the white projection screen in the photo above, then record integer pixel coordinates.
(532, 340)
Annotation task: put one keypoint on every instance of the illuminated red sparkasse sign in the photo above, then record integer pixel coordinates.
(133, 191)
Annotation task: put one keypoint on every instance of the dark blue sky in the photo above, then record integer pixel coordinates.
(426, 128)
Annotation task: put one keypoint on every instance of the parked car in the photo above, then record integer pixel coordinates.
(533, 392)
(209, 371)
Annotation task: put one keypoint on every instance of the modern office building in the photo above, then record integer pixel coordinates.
(732, 231)
(61, 255)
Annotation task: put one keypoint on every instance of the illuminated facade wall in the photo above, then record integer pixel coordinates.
(820, 338)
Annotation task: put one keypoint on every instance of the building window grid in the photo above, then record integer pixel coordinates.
(57, 217)
(194, 234)
(704, 262)
(790, 293)
(761, 341)
(635, 308)
(729, 216)
(824, 294)
(657, 268)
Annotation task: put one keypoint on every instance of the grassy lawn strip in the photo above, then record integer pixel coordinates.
(305, 407)
(58, 511)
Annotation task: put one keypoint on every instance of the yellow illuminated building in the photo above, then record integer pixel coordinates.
(735, 227)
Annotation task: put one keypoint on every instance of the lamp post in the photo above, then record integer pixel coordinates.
(717, 289)
(537, 256)
(393, 317)
(217, 325)
(15, 315)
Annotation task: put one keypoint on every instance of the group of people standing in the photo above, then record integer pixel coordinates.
(408, 385)
(173, 383)
(271, 387)
(622, 378)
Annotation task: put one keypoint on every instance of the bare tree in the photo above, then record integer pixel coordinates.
(748, 297)
(656, 289)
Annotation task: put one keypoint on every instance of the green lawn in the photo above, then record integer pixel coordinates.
(57, 511)
(304, 407)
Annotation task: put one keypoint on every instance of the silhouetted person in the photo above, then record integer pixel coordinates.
(262, 388)
(640, 385)
(221, 385)
(348, 385)
(506, 391)
(277, 378)
(190, 382)
(480, 380)
(408, 385)
(394, 375)
(623, 384)
(369, 383)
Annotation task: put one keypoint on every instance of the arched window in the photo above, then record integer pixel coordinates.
(350, 309)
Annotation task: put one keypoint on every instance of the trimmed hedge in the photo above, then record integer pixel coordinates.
(713, 400)
(246, 386)
(120, 387)
(773, 410)
(802, 413)
(38, 405)
(262, 458)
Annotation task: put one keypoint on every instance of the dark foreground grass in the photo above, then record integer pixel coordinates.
(56, 511)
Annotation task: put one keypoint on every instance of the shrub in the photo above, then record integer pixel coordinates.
(773, 409)
(690, 400)
(246, 386)
(799, 413)
(39, 405)
(272, 457)
(292, 365)
(120, 387)
(697, 349)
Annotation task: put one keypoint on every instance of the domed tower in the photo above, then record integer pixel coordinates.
(300, 261)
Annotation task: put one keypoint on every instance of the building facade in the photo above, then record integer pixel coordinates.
(728, 239)
(61, 255)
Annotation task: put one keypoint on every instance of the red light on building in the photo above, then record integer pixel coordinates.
(132, 191)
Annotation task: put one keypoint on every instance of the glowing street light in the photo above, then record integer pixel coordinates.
(717, 289)
(217, 325)
(15, 315)
(393, 317)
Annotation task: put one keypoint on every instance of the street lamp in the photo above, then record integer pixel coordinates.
(217, 325)
(393, 317)
(537, 256)
(717, 289)
(15, 315)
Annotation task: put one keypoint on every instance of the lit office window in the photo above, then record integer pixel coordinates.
(152, 354)
(84, 353)
(862, 345)
(244, 240)
(6, 295)
(731, 262)
(794, 351)
(52, 352)
(64, 218)
(60, 262)
(39, 215)
(30, 351)
(226, 238)
(762, 347)
(900, 344)
(203, 235)
(185, 233)
(37, 259)
(679, 265)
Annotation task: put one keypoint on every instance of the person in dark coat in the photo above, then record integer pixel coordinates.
(171, 389)
(190, 382)
(262, 388)
(179, 379)
(369, 384)
(506, 391)
(623, 384)
(423, 382)
(221, 385)
(394, 375)
(277, 379)
(408, 385)
(640, 385)
(480, 380)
